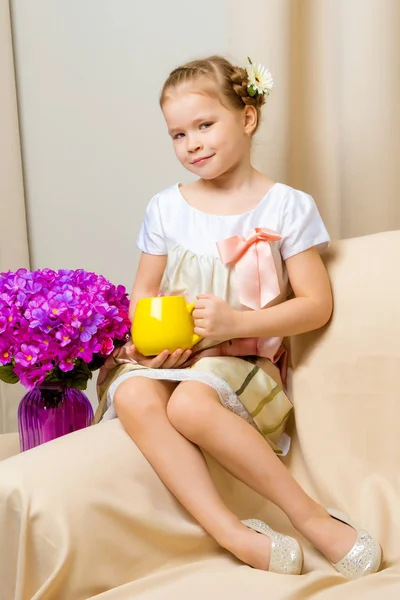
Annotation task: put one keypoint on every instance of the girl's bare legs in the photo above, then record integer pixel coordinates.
(195, 411)
(141, 407)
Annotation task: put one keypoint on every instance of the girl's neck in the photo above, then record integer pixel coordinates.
(238, 179)
(236, 192)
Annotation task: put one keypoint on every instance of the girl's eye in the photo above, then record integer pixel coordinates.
(178, 136)
(205, 125)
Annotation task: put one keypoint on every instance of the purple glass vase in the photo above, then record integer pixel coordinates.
(50, 411)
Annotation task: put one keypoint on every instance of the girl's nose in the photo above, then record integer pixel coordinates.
(193, 144)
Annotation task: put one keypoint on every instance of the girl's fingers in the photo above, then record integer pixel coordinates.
(158, 361)
(185, 356)
(172, 359)
(165, 360)
(201, 331)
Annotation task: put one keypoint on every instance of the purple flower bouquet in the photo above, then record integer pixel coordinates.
(57, 327)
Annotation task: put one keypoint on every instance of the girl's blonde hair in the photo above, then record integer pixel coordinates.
(231, 82)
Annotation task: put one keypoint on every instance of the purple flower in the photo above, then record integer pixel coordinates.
(66, 299)
(27, 355)
(30, 378)
(20, 299)
(10, 314)
(6, 298)
(49, 319)
(54, 307)
(3, 324)
(87, 331)
(33, 287)
(39, 318)
(15, 283)
(5, 355)
(66, 363)
(63, 338)
(85, 353)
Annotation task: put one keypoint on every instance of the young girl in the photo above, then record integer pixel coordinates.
(234, 241)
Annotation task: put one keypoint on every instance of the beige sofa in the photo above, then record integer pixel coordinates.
(85, 516)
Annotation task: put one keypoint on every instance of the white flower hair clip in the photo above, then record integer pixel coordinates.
(260, 79)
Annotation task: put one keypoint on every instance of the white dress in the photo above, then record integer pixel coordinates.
(189, 238)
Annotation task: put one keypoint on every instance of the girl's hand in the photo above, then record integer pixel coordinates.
(165, 360)
(214, 319)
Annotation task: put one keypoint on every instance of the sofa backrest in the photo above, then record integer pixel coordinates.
(346, 378)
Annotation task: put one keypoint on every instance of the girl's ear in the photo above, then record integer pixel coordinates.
(250, 118)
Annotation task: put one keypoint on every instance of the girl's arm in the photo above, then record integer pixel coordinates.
(310, 309)
(148, 278)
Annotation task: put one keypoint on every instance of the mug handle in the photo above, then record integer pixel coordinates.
(196, 338)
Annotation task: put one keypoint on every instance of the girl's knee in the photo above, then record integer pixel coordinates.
(191, 406)
(139, 398)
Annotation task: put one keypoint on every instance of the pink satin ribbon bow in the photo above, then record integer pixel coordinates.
(254, 265)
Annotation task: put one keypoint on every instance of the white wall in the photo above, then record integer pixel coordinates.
(95, 147)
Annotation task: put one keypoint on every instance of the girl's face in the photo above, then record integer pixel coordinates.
(209, 139)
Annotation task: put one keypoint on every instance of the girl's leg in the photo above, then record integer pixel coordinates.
(141, 407)
(195, 411)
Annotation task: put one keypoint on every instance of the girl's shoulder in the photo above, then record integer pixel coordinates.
(288, 196)
(301, 225)
(168, 197)
(165, 204)
(290, 203)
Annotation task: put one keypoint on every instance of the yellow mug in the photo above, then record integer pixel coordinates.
(163, 323)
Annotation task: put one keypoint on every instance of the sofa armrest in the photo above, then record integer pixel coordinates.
(86, 512)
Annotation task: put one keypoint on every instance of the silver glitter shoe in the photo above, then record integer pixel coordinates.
(286, 552)
(364, 558)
